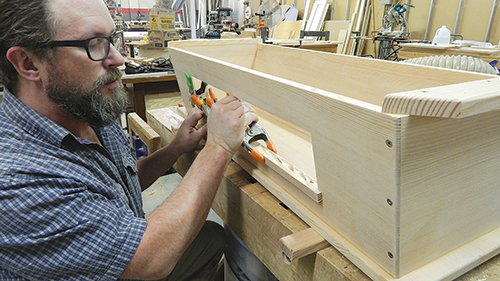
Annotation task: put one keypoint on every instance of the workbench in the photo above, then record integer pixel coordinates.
(259, 219)
(149, 83)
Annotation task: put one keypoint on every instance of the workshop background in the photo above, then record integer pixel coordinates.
(477, 20)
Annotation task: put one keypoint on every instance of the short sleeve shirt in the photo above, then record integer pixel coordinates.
(70, 209)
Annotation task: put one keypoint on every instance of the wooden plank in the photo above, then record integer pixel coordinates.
(166, 122)
(287, 30)
(318, 12)
(452, 101)
(302, 243)
(147, 135)
(290, 173)
(335, 27)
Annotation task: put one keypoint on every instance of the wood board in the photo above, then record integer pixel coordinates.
(358, 152)
(452, 101)
(143, 131)
(287, 30)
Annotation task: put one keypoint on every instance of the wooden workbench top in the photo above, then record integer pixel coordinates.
(148, 77)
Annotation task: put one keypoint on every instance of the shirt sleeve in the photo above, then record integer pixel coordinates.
(57, 229)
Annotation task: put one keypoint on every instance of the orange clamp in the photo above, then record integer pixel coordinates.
(196, 101)
(209, 102)
(270, 145)
(212, 95)
(257, 156)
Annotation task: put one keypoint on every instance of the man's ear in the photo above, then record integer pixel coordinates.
(25, 62)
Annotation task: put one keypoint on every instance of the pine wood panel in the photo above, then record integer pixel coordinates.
(449, 182)
(358, 154)
(452, 101)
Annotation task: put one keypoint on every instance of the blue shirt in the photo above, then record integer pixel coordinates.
(70, 209)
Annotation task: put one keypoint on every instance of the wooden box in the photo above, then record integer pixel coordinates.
(396, 165)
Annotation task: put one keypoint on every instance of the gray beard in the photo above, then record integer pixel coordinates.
(89, 104)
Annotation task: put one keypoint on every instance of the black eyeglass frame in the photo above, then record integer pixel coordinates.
(84, 43)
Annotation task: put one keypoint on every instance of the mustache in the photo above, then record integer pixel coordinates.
(110, 76)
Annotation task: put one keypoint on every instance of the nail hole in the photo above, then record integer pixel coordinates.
(388, 143)
(390, 255)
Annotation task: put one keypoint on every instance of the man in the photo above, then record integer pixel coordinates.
(70, 206)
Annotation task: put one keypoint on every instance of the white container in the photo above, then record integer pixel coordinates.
(443, 36)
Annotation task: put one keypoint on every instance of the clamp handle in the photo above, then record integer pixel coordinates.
(189, 81)
(196, 101)
(270, 146)
(257, 156)
(212, 95)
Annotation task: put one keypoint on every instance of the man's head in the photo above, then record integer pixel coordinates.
(63, 62)
(24, 23)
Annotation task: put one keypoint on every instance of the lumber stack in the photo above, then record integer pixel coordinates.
(354, 44)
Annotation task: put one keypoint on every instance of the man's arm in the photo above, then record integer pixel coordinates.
(150, 168)
(174, 224)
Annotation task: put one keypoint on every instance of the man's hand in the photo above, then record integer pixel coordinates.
(228, 119)
(188, 136)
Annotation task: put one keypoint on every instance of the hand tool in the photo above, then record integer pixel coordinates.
(189, 82)
(254, 131)
(212, 95)
(199, 93)
(200, 104)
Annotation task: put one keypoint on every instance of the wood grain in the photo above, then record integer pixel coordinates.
(452, 101)
(302, 243)
(147, 135)
(375, 170)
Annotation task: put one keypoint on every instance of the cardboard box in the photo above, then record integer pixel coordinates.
(156, 38)
(406, 157)
(162, 23)
(153, 19)
(167, 19)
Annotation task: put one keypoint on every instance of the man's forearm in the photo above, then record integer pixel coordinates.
(150, 168)
(173, 225)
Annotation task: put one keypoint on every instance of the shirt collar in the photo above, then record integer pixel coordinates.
(31, 121)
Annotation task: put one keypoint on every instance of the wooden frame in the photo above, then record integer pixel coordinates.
(404, 197)
(145, 133)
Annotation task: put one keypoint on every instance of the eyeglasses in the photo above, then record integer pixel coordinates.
(97, 47)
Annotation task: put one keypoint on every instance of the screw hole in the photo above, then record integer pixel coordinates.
(390, 255)
(388, 143)
(389, 201)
